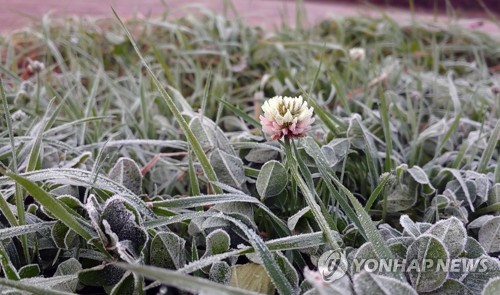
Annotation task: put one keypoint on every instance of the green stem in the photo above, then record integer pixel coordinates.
(291, 164)
(19, 194)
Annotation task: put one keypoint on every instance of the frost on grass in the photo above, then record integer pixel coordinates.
(412, 133)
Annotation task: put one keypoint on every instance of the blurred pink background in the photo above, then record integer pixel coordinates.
(15, 14)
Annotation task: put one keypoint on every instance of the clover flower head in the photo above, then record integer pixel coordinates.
(357, 53)
(35, 66)
(286, 116)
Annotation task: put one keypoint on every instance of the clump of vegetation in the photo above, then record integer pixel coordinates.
(133, 159)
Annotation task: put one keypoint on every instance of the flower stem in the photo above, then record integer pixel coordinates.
(291, 164)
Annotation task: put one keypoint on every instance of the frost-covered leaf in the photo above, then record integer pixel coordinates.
(388, 231)
(101, 275)
(452, 233)
(209, 135)
(451, 287)
(272, 179)
(71, 201)
(409, 226)
(398, 249)
(125, 286)
(220, 272)
(294, 219)
(68, 267)
(476, 225)
(362, 257)
(336, 150)
(63, 237)
(261, 155)
(29, 271)
(366, 283)
(492, 287)
(462, 188)
(487, 268)
(423, 258)
(287, 269)
(229, 169)
(127, 173)
(473, 249)
(489, 235)
(494, 194)
(482, 188)
(122, 222)
(419, 175)
(400, 199)
(94, 211)
(218, 242)
(167, 250)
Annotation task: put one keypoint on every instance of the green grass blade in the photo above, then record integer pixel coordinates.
(15, 231)
(450, 131)
(5, 209)
(384, 114)
(370, 229)
(30, 287)
(300, 241)
(309, 196)
(193, 180)
(375, 193)
(246, 117)
(21, 215)
(490, 149)
(319, 158)
(320, 112)
(50, 203)
(279, 280)
(9, 271)
(182, 281)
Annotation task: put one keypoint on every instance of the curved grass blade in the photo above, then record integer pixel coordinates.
(370, 229)
(9, 271)
(309, 196)
(21, 215)
(295, 242)
(376, 192)
(182, 281)
(15, 231)
(30, 287)
(249, 119)
(4, 208)
(84, 178)
(490, 149)
(51, 204)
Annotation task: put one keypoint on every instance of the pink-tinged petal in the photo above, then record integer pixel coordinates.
(286, 116)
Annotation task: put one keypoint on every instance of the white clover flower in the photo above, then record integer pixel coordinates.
(35, 66)
(286, 116)
(357, 53)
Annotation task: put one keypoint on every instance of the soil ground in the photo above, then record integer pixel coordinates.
(15, 14)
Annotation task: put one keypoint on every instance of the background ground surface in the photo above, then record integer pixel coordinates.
(266, 13)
